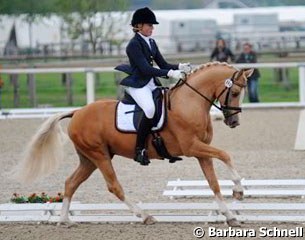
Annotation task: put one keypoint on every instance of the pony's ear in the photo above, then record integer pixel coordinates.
(249, 72)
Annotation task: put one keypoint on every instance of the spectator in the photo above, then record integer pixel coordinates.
(221, 53)
(249, 56)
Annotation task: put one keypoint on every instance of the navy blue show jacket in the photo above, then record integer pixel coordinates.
(141, 59)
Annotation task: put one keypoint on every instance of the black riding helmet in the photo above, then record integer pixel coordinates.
(143, 15)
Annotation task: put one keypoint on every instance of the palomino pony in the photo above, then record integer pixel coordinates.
(188, 132)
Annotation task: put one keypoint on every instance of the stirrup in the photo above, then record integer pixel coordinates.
(141, 157)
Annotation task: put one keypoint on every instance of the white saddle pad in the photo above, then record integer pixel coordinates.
(124, 118)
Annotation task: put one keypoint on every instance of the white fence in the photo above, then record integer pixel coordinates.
(90, 79)
(29, 113)
(301, 69)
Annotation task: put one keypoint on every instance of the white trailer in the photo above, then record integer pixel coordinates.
(256, 23)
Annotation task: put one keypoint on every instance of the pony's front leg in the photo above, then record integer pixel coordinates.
(207, 167)
(238, 190)
(202, 150)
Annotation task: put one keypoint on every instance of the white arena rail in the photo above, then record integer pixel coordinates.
(90, 75)
(252, 188)
(90, 88)
(215, 113)
(23, 113)
(163, 212)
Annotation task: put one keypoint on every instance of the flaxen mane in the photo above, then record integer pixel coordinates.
(209, 64)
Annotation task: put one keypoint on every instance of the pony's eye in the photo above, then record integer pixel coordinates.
(235, 94)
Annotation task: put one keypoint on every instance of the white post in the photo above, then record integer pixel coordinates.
(302, 84)
(90, 86)
(300, 137)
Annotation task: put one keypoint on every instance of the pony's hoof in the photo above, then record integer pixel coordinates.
(233, 223)
(149, 220)
(238, 195)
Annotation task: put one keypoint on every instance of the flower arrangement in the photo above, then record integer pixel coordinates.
(34, 198)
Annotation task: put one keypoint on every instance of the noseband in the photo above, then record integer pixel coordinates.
(226, 109)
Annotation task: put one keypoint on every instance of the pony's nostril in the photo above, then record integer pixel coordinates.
(234, 124)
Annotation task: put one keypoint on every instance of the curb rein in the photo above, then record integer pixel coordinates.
(224, 108)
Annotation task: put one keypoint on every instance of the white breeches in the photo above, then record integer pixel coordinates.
(143, 97)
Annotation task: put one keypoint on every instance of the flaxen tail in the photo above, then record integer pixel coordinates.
(44, 152)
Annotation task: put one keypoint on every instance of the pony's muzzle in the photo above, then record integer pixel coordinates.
(232, 121)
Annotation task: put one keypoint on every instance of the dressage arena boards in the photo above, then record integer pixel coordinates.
(262, 147)
(171, 212)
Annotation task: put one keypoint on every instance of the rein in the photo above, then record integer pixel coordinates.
(224, 108)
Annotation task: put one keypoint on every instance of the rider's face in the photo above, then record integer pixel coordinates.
(147, 29)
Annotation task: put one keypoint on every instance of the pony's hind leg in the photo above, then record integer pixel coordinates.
(207, 167)
(106, 167)
(83, 171)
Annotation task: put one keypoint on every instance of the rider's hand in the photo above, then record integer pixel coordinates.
(185, 67)
(176, 74)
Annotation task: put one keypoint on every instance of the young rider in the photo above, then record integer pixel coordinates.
(142, 80)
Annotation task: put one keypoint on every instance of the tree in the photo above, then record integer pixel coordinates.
(93, 20)
(18, 7)
(83, 18)
(31, 10)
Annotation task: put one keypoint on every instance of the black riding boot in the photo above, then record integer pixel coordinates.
(143, 131)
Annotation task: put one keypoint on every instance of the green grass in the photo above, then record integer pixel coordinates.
(271, 90)
(51, 91)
